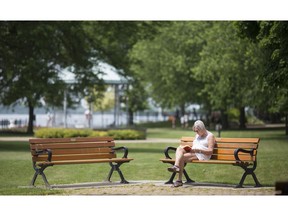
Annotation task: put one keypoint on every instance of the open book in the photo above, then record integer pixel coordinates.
(187, 148)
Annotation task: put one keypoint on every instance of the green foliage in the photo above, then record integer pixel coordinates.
(165, 63)
(120, 134)
(229, 68)
(98, 134)
(30, 66)
(272, 38)
(126, 134)
(233, 115)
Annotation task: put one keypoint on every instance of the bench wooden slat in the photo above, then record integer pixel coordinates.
(114, 160)
(78, 151)
(232, 158)
(70, 140)
(226, 140)
(211, 161)
(71, 145)
(74, 157)
(229, 151)
(236, 145)
(230, 145)
(229, 158)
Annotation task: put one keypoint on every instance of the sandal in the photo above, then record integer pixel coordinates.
(174, 169)
(178, 183)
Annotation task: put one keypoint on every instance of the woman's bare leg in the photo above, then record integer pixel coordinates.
(181, 157)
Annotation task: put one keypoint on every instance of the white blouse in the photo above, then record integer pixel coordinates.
(201, 143)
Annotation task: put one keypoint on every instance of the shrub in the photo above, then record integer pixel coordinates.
(98, 134)
(126, 134)
(122, 134)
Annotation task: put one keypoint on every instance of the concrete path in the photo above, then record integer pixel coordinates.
(148, 187)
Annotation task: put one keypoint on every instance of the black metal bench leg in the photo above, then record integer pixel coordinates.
(45, 180)
(34, 178)
(170, 181)
(115, 167)
(257, 183)
(40, 172)
(188, 179)
(240, 185)
(249, 171)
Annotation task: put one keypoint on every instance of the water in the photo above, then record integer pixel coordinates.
(98, 120)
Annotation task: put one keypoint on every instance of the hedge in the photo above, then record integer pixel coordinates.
(117, 134)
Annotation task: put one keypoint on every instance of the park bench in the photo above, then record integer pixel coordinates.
(62, 151)
(240, 152)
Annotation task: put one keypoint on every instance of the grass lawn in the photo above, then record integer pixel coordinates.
(16, 167)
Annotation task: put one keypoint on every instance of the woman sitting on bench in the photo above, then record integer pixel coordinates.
(201, 149)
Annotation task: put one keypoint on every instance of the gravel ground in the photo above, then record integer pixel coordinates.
(159, 188)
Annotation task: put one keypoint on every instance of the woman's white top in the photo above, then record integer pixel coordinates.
(202, 144)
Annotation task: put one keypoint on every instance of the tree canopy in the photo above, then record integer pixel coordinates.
(32, 54)
(218, 64)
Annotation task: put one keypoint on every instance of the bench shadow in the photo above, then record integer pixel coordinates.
(220, 185)
(91, 184)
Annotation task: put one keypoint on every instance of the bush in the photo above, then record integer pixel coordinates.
(128, 134)
(98, 134)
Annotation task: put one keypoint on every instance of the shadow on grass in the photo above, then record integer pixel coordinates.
(14, 146)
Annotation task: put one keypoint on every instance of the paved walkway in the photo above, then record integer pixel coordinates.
(148, 187)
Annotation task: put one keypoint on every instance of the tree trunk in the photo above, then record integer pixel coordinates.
(224, 119)
(286, 123)
(31, 119)
(242, 118)
(130, 117)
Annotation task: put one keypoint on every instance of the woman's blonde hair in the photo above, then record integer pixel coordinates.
(198, 125)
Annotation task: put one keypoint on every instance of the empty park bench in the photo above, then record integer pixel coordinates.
(240, 152)
(62, 151)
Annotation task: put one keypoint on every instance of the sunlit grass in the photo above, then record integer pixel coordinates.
(16, 166)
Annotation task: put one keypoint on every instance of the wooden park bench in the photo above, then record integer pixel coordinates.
(240, 152)
(62, 151)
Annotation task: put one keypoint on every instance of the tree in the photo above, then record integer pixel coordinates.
(165, 63)
(229, 69)
(272, 38)
(114, 41)
(32, 55)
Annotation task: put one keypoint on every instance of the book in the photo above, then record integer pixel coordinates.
(187, 148)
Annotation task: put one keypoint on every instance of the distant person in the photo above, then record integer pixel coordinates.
(49, 119)
(182, 121)
(173, 120)
(201, 149)
(88, 116)
(186, 120)
(194, 114)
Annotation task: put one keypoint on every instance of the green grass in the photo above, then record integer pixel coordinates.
(16, 167)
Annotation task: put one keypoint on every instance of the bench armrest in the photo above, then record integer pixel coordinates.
(45, 151)
(166, 152)
(125, 149)
(244, 151)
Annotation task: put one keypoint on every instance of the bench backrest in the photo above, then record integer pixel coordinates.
(225, 147)
(65, 149)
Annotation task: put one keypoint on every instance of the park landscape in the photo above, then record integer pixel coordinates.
(230, 74)
(146, 173)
